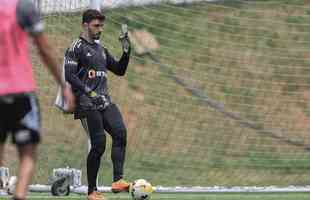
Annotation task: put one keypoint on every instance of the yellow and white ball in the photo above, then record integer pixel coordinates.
(11, 185)
(141, 190)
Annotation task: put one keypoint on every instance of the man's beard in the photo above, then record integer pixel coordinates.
(97, 36)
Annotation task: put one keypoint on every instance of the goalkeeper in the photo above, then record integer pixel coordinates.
(86, 66)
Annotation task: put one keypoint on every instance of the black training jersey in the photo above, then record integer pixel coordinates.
(86, 68)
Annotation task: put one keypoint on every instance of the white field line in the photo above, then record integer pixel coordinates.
(109, 197)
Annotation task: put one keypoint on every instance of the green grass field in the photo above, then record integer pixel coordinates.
(253, 58)
(277, 196)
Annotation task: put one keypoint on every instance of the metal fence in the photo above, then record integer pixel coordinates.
(52, 6)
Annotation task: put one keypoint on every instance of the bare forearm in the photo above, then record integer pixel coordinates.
(50, 61)
(48, 57)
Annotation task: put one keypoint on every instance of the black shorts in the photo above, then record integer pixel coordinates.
(20, 116)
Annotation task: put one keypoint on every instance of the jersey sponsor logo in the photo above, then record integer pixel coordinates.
(93, 74)
(88, 54)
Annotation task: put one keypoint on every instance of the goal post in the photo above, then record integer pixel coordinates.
(219, 103)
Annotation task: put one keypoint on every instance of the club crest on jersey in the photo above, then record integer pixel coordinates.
(93, 74)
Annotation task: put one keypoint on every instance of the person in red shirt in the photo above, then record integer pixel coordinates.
(19, 111)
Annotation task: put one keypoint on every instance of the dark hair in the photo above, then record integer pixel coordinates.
(92, 14)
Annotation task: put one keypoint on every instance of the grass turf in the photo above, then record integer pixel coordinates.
(195, 196)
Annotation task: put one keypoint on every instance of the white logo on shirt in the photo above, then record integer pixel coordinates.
(22, 136)
(104, 55)
(88, 54)
(72, 62)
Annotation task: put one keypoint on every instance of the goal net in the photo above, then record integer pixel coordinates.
(222, 98)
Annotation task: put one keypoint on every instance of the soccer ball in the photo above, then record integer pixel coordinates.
(11, 185)
(141, 190)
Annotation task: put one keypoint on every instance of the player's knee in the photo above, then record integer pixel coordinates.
(98, 147)
(120, 138)
(98, 144)
(97, 150)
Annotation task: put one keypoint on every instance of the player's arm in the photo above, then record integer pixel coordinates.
(71, 70)
(50, 61)
(118, 67)
(29, 20)
(45, 51)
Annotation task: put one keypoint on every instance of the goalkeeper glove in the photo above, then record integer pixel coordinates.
(98, 100)
(124, 39)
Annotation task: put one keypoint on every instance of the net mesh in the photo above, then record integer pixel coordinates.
(222, 100)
